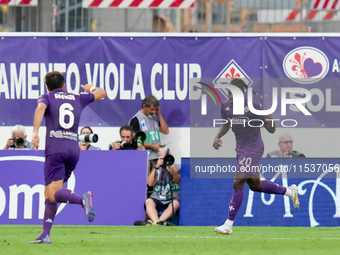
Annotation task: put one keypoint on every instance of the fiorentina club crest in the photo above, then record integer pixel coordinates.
(306, 65)
(231, 70)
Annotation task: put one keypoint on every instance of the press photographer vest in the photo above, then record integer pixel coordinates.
(150, 126)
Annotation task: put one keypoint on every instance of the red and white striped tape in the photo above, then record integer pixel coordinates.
(318, 11)
(183, 4)
(19, 2)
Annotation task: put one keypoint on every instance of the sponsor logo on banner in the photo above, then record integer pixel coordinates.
(28, 191)
(306, 65)
(230, 71)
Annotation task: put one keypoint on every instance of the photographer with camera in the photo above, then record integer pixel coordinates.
(18, 140)
(128, 141)
(150, 120)
(286, 149)
(164, 178)
(86, 137)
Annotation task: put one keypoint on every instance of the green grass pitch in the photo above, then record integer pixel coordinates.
(156, 240)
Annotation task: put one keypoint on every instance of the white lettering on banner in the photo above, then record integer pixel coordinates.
(101, 76)
(3, 81)
(125, 94)
(329, 106)
(15, 190)
(91, 79)
(43, 72)
(316, 183)
(181, 94)
(302, 191)
(61, 67)
(73, 70)
(322, 99)
(138, 86)
(286, 200)
(18, 84)
(156, 69)
(168, 94)
(27, 80)
(2, 201)
(32, 80)
(335, 66)
(111, 69)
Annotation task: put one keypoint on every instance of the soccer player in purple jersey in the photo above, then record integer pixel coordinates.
(62, 112)
(249, 148)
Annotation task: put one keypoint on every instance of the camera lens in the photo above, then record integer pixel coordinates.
(93, 138)
(18, 141)
(169, 160)
(125, 145)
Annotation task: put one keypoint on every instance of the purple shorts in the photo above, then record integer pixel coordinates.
(59, 166)
(248, 163)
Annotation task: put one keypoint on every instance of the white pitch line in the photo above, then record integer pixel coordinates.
(221, 236)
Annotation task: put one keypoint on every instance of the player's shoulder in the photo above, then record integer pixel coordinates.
(226, 103)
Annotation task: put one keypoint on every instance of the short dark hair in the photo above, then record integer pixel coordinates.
(54, 80)
(88, 127)
(126, 127)
(149, 100)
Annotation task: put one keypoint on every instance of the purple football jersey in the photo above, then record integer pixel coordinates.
(62, 120)
(248, 138)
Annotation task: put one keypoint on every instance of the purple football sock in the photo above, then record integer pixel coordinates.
(272, 188)
(235, 204)
(65, 196)
(49, 215)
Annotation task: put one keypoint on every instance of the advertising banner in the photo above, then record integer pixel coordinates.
(207, 188)
(170, 67)
(118, 188)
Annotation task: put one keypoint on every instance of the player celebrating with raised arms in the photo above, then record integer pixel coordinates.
(249, 148)
(62, 112)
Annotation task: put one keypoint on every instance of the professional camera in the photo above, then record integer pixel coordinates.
(18, 141)
(125, 145)
(137, 141)
(92, 138)
(296, 154)
(168, 160)
(139, 138)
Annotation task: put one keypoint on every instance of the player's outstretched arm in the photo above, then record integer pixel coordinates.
(221, 132)
(98, 93)
(270, 125)
(38, 117)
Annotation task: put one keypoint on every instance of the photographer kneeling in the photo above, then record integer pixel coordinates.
(127, 141)
(165, 178)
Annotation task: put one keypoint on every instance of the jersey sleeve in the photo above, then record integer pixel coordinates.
(223, 113)
(43, 99)
(134, 123)
(85, 99)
